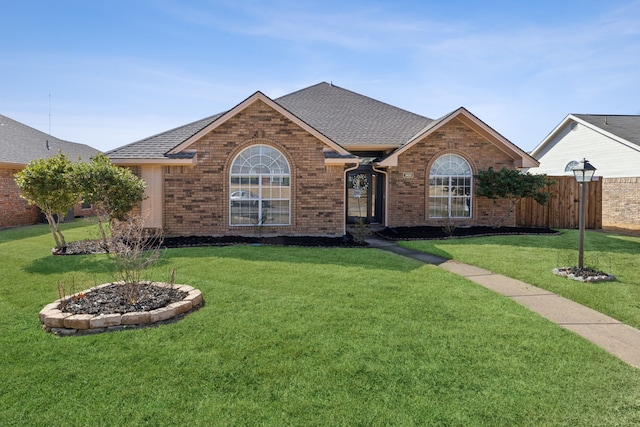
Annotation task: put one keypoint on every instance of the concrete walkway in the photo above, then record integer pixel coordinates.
(619, 339)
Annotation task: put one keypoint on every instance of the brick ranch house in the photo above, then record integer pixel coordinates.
(312, 162)
(20, 144)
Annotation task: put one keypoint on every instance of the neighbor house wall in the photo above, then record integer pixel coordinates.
(14, 210)
(196, 198)
(575, 141)
(408, 195)
(81, 212)
(621, 203)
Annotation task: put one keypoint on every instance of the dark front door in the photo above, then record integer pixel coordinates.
(365, 196)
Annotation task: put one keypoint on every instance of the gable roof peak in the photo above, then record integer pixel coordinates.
(624, 128)
(521, 159)
(351, 119)
(257, 96)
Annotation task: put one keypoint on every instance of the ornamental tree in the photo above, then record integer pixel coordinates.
(512, 185)
(113, 191)
(49, 184)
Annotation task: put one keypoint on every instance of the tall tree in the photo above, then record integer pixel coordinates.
(49, 184)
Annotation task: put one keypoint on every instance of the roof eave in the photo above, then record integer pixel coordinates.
(342, 161)
(552, 134)
(521, 159)
(155, 161)
(11, 165)
(370, 147)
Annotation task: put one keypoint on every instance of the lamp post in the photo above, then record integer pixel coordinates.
(584, 173)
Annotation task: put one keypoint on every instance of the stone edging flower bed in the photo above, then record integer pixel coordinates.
(585, 275)
(62, 323)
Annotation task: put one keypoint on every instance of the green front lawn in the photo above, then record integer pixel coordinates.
(532, 258)
(297, 336)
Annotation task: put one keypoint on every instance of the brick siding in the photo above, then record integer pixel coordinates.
(408, 195)
(621, 203)
(196, 198)
(14, 210)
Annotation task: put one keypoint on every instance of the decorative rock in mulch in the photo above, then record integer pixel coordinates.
(583, 274)
(63, 323)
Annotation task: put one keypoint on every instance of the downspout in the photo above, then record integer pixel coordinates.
(344, 200)
(386, 187)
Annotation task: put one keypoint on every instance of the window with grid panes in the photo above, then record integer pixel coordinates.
(259, 189)
(450, 188)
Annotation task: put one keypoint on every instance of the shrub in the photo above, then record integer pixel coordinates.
(50, 184)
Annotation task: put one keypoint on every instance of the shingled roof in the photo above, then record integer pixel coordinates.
(351, 119)
(157, 146)
(624, 126)
(20, 144)
(346, 118)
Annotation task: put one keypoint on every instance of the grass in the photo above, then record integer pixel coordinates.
(532, 258)
(298, 336)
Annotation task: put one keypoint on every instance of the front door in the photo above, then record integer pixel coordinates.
(364, 196)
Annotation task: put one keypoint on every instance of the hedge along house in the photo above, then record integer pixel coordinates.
(313, 162)
(20, 144)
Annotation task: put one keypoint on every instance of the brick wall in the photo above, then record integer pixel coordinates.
(81, 212)
(196, 199)
(408, 196)
(621, 203)
(14, 211)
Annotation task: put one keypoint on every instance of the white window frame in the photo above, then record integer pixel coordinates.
(264, 172)
(569, 166)
(444, 178)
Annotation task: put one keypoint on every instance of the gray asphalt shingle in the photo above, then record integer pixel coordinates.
(351, 119)
(20, 144)
(347, 118)
(623, 126)
(156, 146)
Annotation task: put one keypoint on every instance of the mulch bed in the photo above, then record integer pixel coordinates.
(85, 247)
(310, 241)
(115, 298)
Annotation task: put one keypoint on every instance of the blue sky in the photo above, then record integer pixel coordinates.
(107, 73)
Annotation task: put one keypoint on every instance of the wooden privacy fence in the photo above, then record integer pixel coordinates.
(563, 209)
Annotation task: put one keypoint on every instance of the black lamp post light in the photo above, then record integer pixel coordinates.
(583, 173)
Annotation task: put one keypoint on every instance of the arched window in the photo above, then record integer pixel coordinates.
(259, 190)
(450, 188)
(569, 167)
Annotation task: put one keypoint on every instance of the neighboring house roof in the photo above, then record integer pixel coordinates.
(20, 144)
(610, 142)
(343, 120)
(622, 128)
(625, 127)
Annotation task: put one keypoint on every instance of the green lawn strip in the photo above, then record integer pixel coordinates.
(532, 258)
(300, 336)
